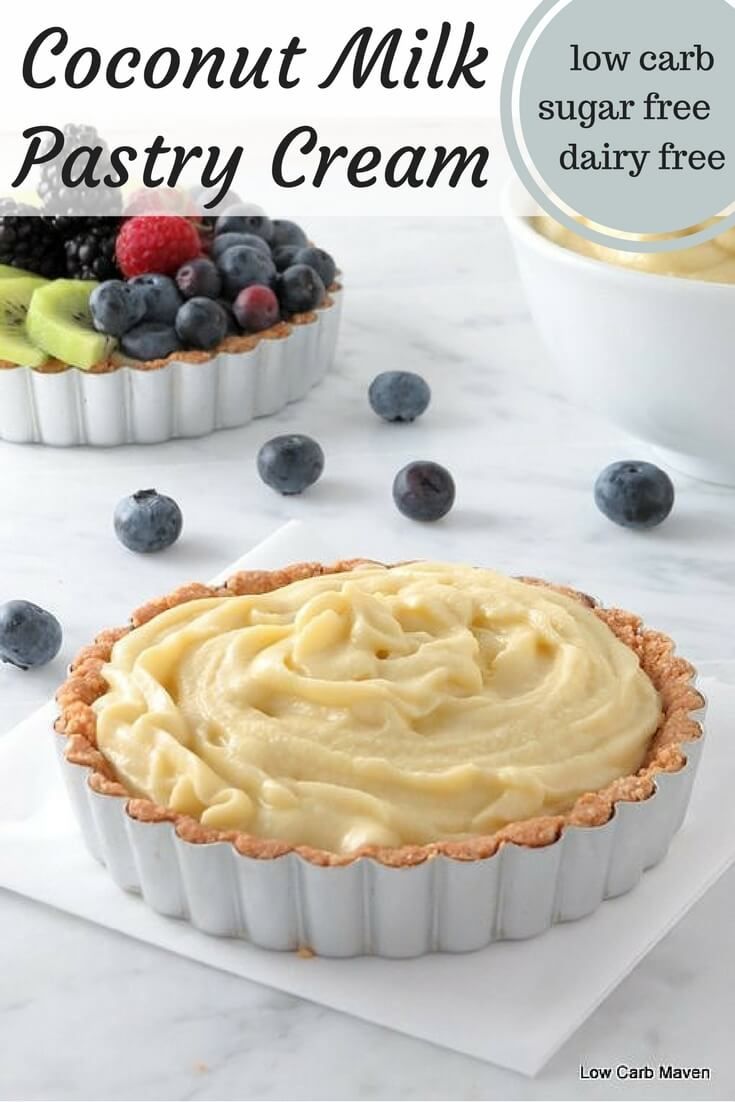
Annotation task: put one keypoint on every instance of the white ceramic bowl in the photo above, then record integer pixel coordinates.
(655, 354)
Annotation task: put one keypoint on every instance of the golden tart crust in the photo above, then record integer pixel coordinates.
(670, 674)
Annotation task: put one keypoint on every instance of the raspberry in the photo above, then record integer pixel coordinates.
(155, 243)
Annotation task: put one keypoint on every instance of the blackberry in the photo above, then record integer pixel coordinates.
(90, 251)
(28, 241)
(58, 199)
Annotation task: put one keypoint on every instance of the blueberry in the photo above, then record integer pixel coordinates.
(233, 329)
(116, 306)
(290, 463)
(634, 494)
(399, 395)
(256, 308)
(300, 289)
(29, 636)
(199, 278)
(201, 323)
(284, 256)
(162, 299)
(232, 222)
(200, 196)
(147, 521)
(423, 491)
(287, 233)
(227, 241)
(151, 340)
(320, 261)
(243, 266)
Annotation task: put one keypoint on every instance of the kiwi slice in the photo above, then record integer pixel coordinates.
(15, 345)
(60, 323)
(7, 271)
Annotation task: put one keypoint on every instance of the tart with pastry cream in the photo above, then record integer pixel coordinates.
(392, 712)
(143, 329)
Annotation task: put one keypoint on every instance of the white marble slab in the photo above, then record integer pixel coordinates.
(88, 1014)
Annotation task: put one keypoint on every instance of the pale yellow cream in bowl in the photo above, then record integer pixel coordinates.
(713, 261)
(384, 706)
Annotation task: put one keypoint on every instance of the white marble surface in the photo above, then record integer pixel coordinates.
(85, 1013)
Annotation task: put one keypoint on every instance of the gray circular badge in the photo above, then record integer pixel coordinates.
(622, 111)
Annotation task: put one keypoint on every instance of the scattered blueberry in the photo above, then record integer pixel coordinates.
(284, 256)
(147, 521)
(399, 395)
(300, 289)
(256, 308)
(634, 494)
(320, 261)
(29, 636)
(116, 306)
(243, 266)
(232, 222)
(151, 340)
(201, 323)
(199, 278)
(162, 299)
(290, 463)
(287, 233)
(423, 491)
(227, 241)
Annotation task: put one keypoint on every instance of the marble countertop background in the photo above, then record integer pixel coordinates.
(86, 1013)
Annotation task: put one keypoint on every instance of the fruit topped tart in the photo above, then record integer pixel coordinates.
(364, 709)
(97, 293)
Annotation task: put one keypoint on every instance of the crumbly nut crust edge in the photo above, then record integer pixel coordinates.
(671, 675)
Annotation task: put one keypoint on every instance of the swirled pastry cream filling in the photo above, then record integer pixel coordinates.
(385, 706)
(711, 261)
